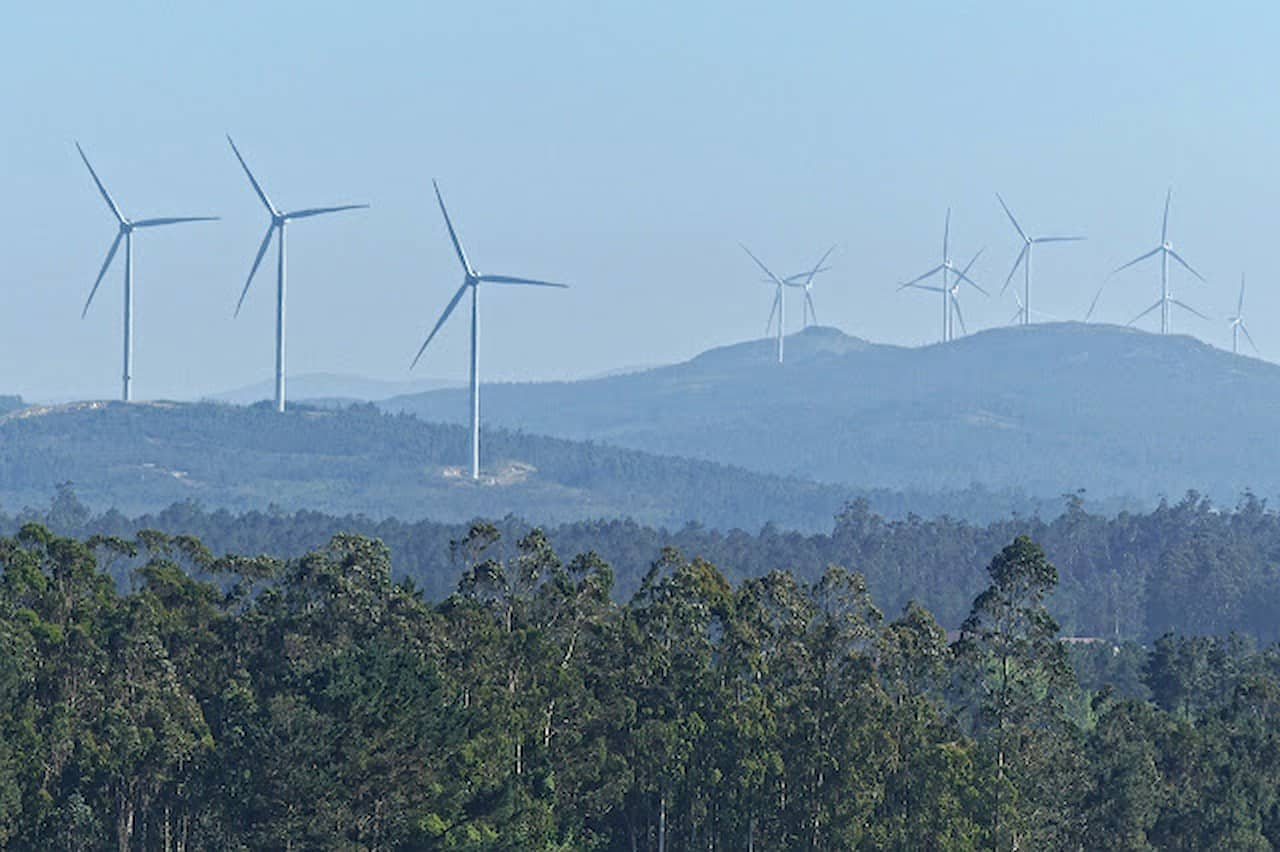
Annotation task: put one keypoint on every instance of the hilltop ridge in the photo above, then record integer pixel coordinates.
(1044, 408)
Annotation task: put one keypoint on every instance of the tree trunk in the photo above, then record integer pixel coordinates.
(662, 823)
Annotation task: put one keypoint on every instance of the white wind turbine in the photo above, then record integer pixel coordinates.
(804, 281)
(1024, 260)
(471, 280)
(1237, 323)
(952, 296)
(1165, 250)
(278, 221)
(947, 268)
(125, 233)
(779, 301)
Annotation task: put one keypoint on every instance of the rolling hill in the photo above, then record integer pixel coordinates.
(1044, 409)
(142, 456)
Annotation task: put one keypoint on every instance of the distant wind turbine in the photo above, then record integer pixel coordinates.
(1237, 323)
(947, 268)
(779, 301)
(1018, 315)
(952, 295)
(804, 281)
(125, 233)
(471, 279)
(278, 221)
(1165, 250)
(1024, 260)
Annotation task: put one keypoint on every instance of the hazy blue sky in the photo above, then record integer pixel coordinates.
(622, 150)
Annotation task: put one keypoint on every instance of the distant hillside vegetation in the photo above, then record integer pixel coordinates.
(1045, 409)
(358, 460)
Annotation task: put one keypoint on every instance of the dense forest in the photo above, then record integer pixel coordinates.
(314, 703)
(1188, 567)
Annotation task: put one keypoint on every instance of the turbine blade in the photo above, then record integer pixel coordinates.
(813, 312)
(1187, 307)
(1164, 226)
(1014, 271)
(507, 279)
(1240, 301)
(1151, 253)
(111, 253)
(453, 303)
(1092, 304)
(453, 236)
(818, 266)
(915, 286)
(760, 264)
(262, 249)
(102, 189)
(946, 236)
(1018, 227)
(1058, 239)
(777, 297)
(1173, 254)
(253, 180)
(974, 284)
(920, 278)
(1144, 313)
(1249, 337)
(173, 220)
(955, 304)
(970, 264)
(320, 211)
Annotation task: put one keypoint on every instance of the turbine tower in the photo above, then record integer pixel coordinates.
(1165, 250)
(125, 233)
(804, 281)
(1024, 260)
(278, 221)
(947, 268)
(952, 295)
(779, 301)
(471, 280)
(1237, 323)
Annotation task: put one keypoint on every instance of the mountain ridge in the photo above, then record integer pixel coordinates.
(1044, 408)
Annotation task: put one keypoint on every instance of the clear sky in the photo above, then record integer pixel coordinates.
(624, 149)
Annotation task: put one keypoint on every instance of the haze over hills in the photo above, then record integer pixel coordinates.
(330, 386)
(1045, 408)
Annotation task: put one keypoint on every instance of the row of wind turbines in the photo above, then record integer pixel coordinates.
(471, 281)
(950, 279)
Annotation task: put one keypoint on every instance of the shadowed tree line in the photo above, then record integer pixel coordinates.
(232, 702)
(1186, 567)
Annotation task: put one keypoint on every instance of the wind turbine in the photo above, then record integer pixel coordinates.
(1019, 314)
(947, 268)
(952, 296)
(1237, 323)
(125, 233)
(779, 301)
(1024, 260)
(471, 279)
(1165, 250)
(278, 221)
(804, 281)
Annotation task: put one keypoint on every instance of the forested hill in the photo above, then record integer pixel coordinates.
(1046, 408)
(359, 460)
(144, 456)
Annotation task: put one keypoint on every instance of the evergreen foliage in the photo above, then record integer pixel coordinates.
(232, 702)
